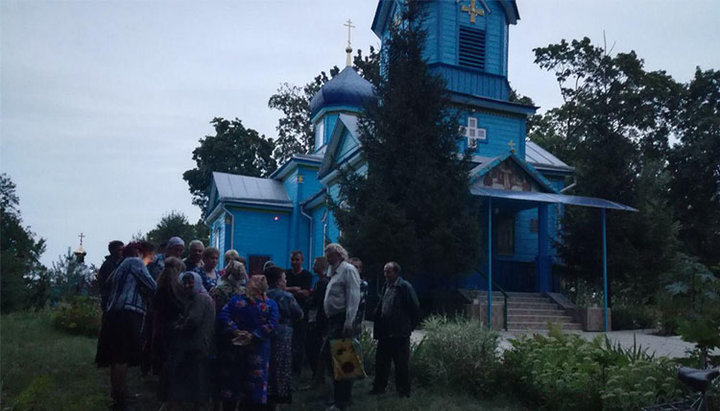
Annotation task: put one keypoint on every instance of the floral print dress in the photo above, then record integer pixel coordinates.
(280, 379)
(247, 380)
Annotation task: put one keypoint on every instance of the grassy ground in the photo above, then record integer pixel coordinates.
(45, 369)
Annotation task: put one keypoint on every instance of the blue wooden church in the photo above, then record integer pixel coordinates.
(522, 183)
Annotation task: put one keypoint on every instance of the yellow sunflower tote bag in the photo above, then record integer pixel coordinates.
(347, 359)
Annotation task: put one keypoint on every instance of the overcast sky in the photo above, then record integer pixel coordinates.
(102, 102)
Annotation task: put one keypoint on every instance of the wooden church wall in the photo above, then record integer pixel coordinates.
(262, 232)
(500, 131)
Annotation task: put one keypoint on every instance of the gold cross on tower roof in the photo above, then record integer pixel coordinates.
(81, 238)
(473, 10)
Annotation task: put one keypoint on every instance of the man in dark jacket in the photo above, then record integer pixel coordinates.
(396, 316)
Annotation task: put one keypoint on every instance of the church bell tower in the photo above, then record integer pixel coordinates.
(467, 45)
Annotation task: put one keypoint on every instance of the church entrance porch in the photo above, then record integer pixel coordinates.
(498, 204)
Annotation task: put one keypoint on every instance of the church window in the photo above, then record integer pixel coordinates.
(471, 50)
(474, 133)
(319, 133)
(505, 235)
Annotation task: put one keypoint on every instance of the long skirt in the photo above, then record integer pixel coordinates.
(186, 379)
(120, 341)
(280, 378)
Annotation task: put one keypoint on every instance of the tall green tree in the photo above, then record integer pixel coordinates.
(20, 251)
(295, 130)
(694, 165)
(233, 149)
(613, 127)
(413, 206)
(176, 223)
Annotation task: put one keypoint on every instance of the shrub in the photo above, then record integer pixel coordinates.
(566, 372)
(81, 315)
(457, 354)
(632, 317)
(369, 348)
(559, 371)
(639, 384)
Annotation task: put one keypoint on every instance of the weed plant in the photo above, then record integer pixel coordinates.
(459, 355)
(79, 315)
(565, 372)
(641, 383)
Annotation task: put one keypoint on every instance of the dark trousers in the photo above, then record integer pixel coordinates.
(396, 350)
(313, 347)
(298, 345)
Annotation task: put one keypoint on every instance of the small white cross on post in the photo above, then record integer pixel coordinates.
(348, 49)
(350, 26)
(512, 146)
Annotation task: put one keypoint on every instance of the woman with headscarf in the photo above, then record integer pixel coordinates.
(167, 308)
(231, 282)
(186, 372)
(227, 356)
(280, 378)
(249, 320)
(208, 271)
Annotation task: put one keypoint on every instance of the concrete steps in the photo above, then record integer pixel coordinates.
(531, 311)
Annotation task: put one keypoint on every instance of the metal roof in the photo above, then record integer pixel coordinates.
(250, 189)
(348, 122)
(541, 158)
(549, 198)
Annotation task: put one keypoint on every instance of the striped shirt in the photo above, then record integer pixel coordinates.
(132, 286)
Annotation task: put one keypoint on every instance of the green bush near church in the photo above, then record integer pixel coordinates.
(565, 372)
(79, 315)
(457, 355)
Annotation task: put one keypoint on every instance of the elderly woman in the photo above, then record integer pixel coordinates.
(228, 356)
(249, 321)
(186, 372)
(167, 308)
(209, 272)
(280, 379)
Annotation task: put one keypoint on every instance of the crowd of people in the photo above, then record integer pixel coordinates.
(223, 340)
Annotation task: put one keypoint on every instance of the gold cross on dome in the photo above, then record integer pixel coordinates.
(512, 146)
(473, 10)
(350, 26)
(81, 238)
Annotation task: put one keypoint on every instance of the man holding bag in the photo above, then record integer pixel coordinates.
(396, 316)
(341, 305)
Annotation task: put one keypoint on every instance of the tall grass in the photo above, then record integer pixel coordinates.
(457, 354)
(45, 369)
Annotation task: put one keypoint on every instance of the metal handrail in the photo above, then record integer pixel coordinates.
(505, 298)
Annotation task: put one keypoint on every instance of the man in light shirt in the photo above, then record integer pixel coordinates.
(341, 305)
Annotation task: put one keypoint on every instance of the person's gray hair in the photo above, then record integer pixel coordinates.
(196, 243)
(236, 269)
(396, 267)
(337, 248)
(232, 255)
